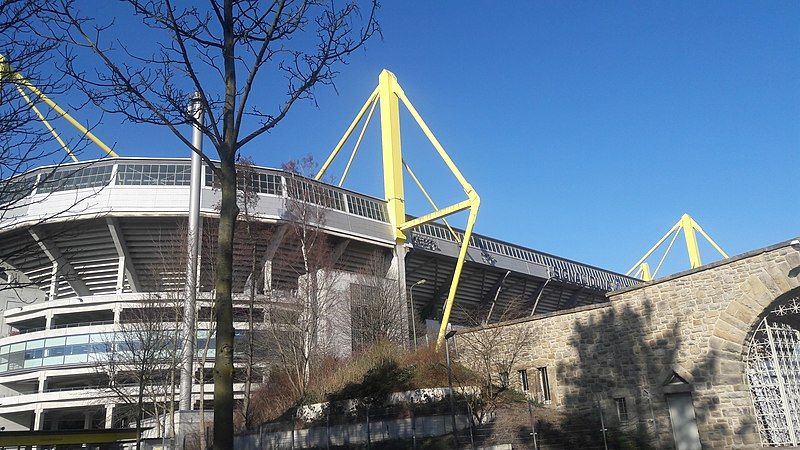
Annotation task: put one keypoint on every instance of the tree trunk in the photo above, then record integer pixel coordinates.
(223, 361)
(139, 411)
(250, 338)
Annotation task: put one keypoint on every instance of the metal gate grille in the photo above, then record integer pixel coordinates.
(773, 372)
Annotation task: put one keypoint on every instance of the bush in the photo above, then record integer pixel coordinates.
(372, 374)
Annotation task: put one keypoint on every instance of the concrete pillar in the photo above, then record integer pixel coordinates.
(397, 271)
(87, 419)
(37, 419)
(267, 275)
(120, 275)
(109, 416)
(117, 313)
(42, 382)
(53, 282)
(48, 320)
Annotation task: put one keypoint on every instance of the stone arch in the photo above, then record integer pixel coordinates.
(735, 324)
(748, 302)
(783, 298)
(772, 370)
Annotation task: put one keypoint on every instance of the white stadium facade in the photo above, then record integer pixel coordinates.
(83, 247)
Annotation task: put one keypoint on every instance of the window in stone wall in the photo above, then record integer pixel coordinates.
(622, 409)
(504, 379)
(544, 384)
(523, 379)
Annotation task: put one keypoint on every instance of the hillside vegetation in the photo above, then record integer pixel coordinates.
(371, 375)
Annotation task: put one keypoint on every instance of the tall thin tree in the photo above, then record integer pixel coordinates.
(224, 52)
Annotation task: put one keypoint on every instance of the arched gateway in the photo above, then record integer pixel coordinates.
(773, 371)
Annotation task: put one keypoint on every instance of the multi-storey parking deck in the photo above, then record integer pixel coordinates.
(88, 240)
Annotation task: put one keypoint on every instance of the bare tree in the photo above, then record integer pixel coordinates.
(141, 361)
(253, 236)
(491, 353)
(24, 140)
(223, 52)
(303, 320)
(376, 307)
(26, 59)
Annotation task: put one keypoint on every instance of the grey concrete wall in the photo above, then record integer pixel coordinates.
(695, 324)
(351, 434)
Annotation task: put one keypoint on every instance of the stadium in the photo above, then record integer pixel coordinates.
(93, 251)
(102, 257)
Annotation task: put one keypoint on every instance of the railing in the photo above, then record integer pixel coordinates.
(26, 330)
(73, 388)
(159, 173)
(82, 324)
(559, 268)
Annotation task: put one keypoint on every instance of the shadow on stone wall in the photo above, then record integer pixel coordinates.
(617, 357)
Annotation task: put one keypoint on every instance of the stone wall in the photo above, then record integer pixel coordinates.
(694, 324)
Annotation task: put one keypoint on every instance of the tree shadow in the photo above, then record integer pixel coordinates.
(621, 355)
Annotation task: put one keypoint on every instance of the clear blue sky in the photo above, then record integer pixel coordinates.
(588, 128)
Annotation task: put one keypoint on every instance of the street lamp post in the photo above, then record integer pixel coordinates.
(413, 316)
(450, 377)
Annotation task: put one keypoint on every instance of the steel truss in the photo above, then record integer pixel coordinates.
(23, 86)
(389, 95)
(690, 229)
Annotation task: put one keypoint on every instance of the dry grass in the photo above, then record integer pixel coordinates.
(373, 373)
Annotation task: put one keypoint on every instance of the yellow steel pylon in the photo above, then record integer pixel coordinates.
(6, 71)
(689, 227)
(389, 94)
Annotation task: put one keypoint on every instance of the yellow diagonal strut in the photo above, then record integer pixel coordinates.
(688, 226)
(389, 94)
(21, 82)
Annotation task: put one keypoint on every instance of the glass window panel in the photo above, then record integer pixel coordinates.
(32, 363)
(69, 178)
(39, 343)
(15, 360)
(55, 351)
(80, 339)
(72, 359)
(18, 347)
(13, 190)
(367, 208)
(154, 174)
(102, 337)
(51, 342)
(34, 354)
(53, 361)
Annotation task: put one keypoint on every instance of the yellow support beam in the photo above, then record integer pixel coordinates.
(392, 152)
(644, 272)
(358, 142)
(690, 228)
(389, 94)
(430, 200)
(653, 249)
(17, 78)
(346, 135)
(687, 225)
(47, 124)
(436, 215)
